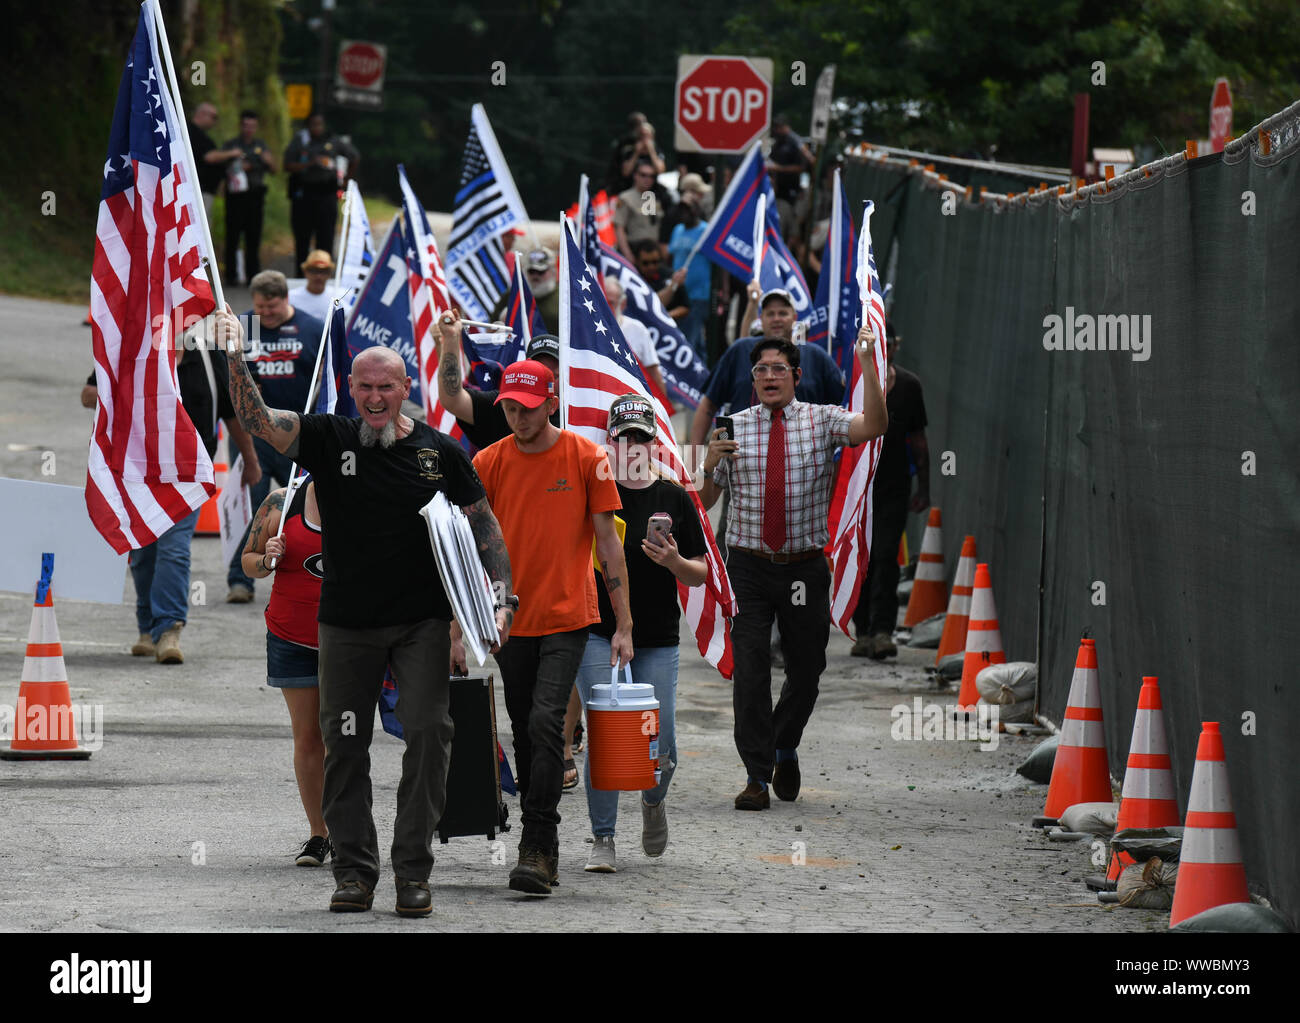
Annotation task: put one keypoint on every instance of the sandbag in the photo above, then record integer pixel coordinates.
(1038, 765)
(949, 667)
(1005, 684)
(927, 633)
(1016, 713)
(1143, 843)
(904, 592)
(1148, 885)
(1094, 818)
(1236, 918)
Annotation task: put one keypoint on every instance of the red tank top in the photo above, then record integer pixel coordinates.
(295, 594)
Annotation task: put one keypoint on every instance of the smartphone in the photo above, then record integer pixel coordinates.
(724, 423)
(799, 333)
(658, 526)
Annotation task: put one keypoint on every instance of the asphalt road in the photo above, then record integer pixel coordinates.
(886, 835)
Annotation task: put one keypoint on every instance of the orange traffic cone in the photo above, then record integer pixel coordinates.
(903, 556)
(1148, 799)
(929, 591)
(1210, 871)
(1081, 773)
(209, 523)
(953, 640)
(44, 728)
(983, 639)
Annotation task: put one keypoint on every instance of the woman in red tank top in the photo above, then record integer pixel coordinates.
(294, 555)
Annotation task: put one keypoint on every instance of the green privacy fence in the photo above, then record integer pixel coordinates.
(1116, 376)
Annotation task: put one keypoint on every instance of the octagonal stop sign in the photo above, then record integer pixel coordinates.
(722, 104)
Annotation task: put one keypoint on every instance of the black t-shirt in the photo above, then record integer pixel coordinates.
(254, 152)
(210, 174)
(906, 416)
(379, 566)
(653, 589)
(786, 152)
(490, 423)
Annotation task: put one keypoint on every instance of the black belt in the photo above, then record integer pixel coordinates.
(780, 559)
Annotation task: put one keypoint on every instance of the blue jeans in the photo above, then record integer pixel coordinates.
(161, 573)
(656, 665)
(275, 465)
(693, 324)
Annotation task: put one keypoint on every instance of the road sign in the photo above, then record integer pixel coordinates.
(821, 116)
(299, 99)
(722, 104)
(1220, 115)
(359, 78)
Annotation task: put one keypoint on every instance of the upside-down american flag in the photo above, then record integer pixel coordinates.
(429, 300)
(148, 467)
(597, 366)
(850, 545)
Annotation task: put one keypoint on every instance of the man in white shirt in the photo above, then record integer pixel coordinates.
(635, 333)
(314, 299)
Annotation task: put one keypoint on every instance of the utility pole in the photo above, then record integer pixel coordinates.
(323, 89)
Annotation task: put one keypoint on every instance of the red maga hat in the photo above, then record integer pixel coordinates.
(527, 382)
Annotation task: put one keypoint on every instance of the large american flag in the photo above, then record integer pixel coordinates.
(485, 207)
(850, 547)
(148, 467)
(597, 366)
(429, 300)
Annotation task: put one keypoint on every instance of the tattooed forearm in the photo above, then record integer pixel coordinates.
(449, 371)
(612, 584)
(260, 530)
(491, 544)
(253, 414)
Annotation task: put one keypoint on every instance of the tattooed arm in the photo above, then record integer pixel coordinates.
(275, 426)
(614, 567)
(263, 545)
(496, 561)
(451, 392)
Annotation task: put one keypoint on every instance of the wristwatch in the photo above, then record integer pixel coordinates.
(511, 602)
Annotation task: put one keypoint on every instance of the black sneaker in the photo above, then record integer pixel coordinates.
(533, 874)
(314, 852)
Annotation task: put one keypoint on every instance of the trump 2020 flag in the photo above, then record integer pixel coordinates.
(835, 317)
(336, 364)
(148, 468)
(850, 546)
(382, 312)
(596, 366)
(358, 247)
(729, 241)
(485, 207)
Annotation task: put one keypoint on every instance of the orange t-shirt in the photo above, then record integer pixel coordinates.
(544, 503)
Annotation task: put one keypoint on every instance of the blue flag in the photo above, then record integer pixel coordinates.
(729, 241)
(382, 314)
(837, 307)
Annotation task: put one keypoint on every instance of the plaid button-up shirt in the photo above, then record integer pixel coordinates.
(812, 433)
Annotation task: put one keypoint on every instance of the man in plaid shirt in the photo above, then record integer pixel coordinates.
(779, 469)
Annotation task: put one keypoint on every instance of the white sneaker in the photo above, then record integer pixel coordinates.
(601, 858)
(654, 828)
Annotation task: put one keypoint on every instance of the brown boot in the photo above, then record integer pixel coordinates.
(143, 646)
(169, 646)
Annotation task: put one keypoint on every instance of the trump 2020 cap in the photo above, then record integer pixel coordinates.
(631, 412)
(527, 382)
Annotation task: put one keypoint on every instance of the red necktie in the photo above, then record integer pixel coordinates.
(774, 490)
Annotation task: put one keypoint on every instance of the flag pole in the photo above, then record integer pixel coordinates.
(836, 270)
(564, 326)
(343, 237)
(200, 214)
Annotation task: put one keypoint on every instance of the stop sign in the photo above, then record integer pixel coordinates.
(722, 104)
(361, 65)
(1220, 115)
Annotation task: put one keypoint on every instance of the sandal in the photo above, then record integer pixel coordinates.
(569, 765)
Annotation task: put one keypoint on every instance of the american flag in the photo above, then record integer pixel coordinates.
(850, 548)
(429, 300)
(489, 353)
(485, 207)
(596, 367)
(148, 467)
(336, 363)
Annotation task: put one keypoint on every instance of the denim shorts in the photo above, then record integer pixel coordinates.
(288, 665)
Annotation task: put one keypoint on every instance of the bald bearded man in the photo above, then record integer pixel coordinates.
(381, 603)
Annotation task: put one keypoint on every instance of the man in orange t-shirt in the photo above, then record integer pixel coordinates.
(552, 492)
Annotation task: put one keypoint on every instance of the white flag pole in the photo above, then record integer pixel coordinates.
(760, 235)
(835, 269)
(561, 385)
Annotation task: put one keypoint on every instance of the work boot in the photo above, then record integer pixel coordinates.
(144, 646)
(533, 874)
(862, 646)
(239, 594)
(882, 646)
(413, 898)
(168, 649)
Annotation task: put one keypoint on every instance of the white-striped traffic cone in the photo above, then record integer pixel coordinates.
(953, 640)
(929, 590)
(983, 639)
(1148, 799)
(1081, 773)
(1210, 871)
